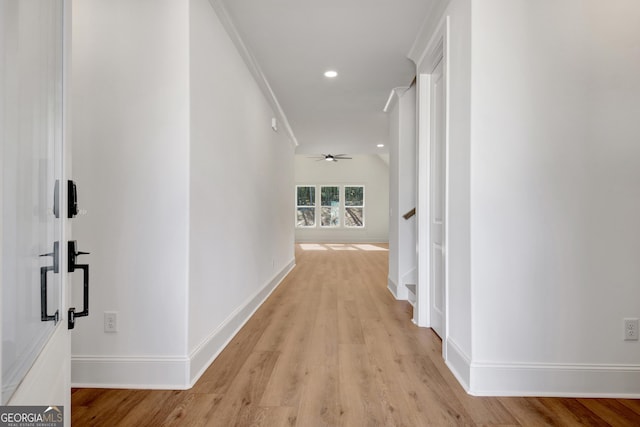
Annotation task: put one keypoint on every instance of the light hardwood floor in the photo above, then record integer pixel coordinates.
(332, 347)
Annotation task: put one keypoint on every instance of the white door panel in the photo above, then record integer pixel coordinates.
(437, 201)
(31, 113)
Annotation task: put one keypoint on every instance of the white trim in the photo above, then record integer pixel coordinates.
(394, 91)
(252, 65)
(130, 372)
(408, 278)
(421, 310)
(543, 379)
(393, 287)
(447, 180)
(436, 51)
(459, 363)
(555, 380)
(204, 354)
(422, 43)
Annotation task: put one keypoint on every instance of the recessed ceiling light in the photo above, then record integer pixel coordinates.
(380, 145)
(331, 74)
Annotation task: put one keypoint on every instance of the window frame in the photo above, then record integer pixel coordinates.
(321, 206)
(345, 207)
(342, 207)
(315, 206)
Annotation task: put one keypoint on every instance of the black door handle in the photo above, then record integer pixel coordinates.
(71, 267)
(44, 315)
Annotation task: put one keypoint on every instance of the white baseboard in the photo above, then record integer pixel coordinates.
(393, 288)
(399, 292)
(203, 355)
(166, 373)
(171, 373)
(459, 364)
(555, 380)
(542, 379)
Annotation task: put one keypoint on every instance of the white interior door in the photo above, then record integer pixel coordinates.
(437, 242)
(35, 339)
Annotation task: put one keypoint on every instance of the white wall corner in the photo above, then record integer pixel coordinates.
(555, 380)
(204, 354)
(393, 288)
(459, 363)
(252, 65)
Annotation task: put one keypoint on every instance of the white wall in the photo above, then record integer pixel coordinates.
(187, 188)
(368, 170)
(130, 106)
(555, 175)
(402, 193)
(241, 230)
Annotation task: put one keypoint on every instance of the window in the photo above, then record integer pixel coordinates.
(331, 203)
(329, 206)
(305, 206)
(354, 206)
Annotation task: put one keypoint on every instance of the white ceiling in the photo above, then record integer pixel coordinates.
(365, 41)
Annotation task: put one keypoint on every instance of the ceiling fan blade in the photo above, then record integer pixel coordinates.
(342, 158)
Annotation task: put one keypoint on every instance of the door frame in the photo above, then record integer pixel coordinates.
(437, 50)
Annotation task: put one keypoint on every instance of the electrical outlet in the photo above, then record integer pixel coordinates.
(110, 321)
(631, 329)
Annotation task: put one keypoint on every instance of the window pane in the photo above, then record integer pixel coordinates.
(306, 196)
(354, 196)
(354, 217)
(330, 217)
(330, 196)
(306, 217)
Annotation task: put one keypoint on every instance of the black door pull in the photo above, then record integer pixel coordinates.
(44, 315)
(71, 267)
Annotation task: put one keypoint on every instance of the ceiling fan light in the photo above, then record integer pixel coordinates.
(331, 74)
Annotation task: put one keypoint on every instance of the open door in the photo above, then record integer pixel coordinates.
(35, 336)
(437, 201)
(432, 189)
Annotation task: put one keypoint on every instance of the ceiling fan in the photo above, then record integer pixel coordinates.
(331, 157)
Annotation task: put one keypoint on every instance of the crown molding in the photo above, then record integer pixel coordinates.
(252, 65)
(431, 22)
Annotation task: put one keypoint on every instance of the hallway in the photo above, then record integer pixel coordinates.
(332, 347)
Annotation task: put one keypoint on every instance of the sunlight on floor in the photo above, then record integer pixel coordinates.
(370, 248)
(312, 247)
(341, 247)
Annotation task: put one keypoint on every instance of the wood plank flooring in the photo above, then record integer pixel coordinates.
(331, 347)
